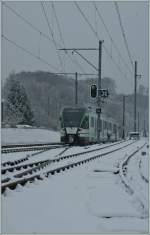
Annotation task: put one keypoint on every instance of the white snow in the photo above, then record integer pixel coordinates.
(144, 166)
(85, 199)
(20, 136)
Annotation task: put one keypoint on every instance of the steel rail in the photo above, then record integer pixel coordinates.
(12, 185)
(31, 148)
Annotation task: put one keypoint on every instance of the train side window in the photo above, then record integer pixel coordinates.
(92, 121)
(85, 123)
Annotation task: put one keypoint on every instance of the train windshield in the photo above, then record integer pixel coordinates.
(72, 117)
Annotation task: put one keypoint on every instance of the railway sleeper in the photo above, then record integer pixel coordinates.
(5, 180)
(3, 172)
(13, 185)
(11, 169)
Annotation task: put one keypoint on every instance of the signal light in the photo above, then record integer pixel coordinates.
(93, 91)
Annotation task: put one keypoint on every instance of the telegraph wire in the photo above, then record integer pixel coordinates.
(111, 39)
(123, 34)
(105, 48)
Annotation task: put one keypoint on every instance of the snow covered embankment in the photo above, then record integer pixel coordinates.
(27, 136)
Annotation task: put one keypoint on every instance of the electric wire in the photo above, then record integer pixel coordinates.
(73, 60)
(28, 51)
(51, 32)
(62, 39)
(86, 60)
(90, 25)
(26, 21)
(112, 41)
(123, 34)
(58, 24)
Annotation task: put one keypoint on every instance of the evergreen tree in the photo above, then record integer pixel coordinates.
(17, 107)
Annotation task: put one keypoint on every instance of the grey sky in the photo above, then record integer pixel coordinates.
(77, 33)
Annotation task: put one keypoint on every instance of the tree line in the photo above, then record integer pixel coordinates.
(37, 98)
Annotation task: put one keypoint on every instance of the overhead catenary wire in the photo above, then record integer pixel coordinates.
(51, 33)
(26, 21)
(96, 34)
(111, 39)
(58, 24)
(28, 51)
(44, 35)
(86, 60)
(62, 39)
(123, 34)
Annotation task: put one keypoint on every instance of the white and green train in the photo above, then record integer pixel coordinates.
(79, 126)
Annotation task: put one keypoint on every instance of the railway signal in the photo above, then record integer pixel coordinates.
(93, 91)
(103, 93)
(94, 94)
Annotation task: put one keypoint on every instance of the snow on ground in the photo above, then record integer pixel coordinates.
(80, 200)
(144, 166)
(20, 136)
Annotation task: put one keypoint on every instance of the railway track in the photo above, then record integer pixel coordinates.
(15, 165)
(133, 186)
(18, 161)
(29, 147)
(141, 174)
(24, 178)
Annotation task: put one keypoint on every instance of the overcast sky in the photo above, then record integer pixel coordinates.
(77, 33)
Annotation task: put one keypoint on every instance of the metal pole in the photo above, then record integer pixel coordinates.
(99, 87)
(138, 122)
(76, 88)
(48, 107)
(123, 120)
(144, 132)
(135, 85)
(2, 111)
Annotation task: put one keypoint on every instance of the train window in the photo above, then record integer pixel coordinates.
(110, 125)
(92, 121)
(105, 124)
(85, 123)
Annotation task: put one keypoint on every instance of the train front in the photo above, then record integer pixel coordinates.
(71, 119)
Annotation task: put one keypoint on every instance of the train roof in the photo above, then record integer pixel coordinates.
(90, 109)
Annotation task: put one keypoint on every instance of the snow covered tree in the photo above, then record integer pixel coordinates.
(17, 106)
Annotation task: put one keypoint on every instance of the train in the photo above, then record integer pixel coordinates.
(78, 125)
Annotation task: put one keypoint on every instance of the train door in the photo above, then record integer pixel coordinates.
(91, 128)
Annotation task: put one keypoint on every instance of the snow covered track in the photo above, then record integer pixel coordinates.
(132, 177)
(29, 147)
(61, 163)
(86, 198)
(142, 175)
